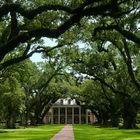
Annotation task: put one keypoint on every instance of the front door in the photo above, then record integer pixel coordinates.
(69, 120)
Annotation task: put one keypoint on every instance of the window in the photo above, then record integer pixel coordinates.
(55, 111)
(62, 111)
(76, 110)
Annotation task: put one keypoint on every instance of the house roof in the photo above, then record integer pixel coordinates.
(67, 101)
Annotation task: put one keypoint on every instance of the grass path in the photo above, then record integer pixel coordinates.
(32, 133)
(87, 132)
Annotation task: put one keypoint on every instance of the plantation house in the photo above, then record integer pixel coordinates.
(66, 111)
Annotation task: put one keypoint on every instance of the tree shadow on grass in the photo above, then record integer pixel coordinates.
(134, 132)
(4, 131)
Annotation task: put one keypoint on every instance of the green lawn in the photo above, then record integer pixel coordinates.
(32, 133)
(87, 132)
(81, 132)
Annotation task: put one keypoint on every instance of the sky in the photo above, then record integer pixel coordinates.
(51, 42)
(37, 57)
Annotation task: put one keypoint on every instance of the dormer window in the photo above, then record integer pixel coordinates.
(69, 101)
(61, 101)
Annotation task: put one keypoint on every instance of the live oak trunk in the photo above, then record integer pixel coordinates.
(10, 122)
(129, 114)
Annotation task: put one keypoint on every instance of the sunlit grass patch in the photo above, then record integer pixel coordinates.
(44, 132)
(88, 132)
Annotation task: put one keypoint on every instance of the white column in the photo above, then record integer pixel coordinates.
(66, 115)
(59, 115)
(52, 117)
(72, 115)
(80, 115)
(86, 116)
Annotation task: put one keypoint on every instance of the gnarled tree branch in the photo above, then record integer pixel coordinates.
(127, 34)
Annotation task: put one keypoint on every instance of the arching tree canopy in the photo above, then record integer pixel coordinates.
(24, 23)
(96, 40)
